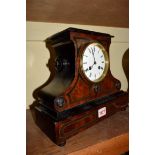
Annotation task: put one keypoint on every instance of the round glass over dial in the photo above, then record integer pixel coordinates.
(95, 62)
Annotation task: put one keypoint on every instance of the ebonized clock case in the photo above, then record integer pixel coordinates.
(69, 103)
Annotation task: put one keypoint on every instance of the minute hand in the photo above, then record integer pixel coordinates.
(93, 57)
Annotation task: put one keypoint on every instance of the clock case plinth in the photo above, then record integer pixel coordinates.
(67, 102)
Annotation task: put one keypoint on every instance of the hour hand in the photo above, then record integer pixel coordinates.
(93, 56)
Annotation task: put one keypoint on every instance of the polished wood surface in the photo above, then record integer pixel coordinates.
(109, 136)
(114, 146)
(88, 12)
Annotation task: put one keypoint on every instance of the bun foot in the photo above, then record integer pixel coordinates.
(61, 144)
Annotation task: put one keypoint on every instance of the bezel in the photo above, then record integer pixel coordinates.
(106, 61)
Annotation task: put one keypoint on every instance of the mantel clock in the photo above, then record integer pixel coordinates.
(81, 90)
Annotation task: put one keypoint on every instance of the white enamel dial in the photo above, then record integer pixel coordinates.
(95, 62)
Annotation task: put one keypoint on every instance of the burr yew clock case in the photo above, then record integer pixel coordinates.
(81, 90)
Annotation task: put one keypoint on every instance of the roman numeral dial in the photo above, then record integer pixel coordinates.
(95, 62)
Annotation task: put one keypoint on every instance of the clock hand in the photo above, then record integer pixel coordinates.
(93, 54)
(93, 57)
(91, 51)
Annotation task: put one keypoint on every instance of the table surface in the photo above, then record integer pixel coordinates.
(109, 137)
